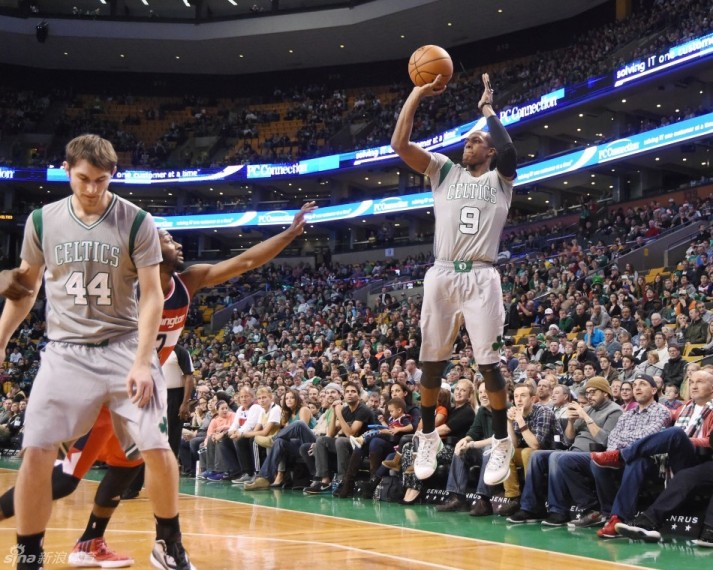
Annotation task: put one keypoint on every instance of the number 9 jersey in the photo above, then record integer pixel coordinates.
(470, 211)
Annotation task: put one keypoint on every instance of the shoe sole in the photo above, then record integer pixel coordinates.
(157, 564)
(637, 533)
(526, 521)
(591, 523)
(702, 543)
(588, 525)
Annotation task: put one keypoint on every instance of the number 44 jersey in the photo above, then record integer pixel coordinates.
(91, 273)
(470, 211)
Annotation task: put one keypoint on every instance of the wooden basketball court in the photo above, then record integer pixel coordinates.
(223, 534)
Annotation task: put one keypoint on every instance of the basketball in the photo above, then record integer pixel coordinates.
(427, 62)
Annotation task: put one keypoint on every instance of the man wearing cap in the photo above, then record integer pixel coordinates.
(683, 443)
(649, 417)
(549, 318)
(675, 369)
(584, 427)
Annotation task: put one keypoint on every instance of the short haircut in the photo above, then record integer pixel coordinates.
(530, 388)
(95, 150)
(398, 402)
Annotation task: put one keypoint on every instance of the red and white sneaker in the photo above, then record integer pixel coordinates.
(96, 553)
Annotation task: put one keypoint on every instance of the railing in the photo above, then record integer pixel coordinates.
(220, 318)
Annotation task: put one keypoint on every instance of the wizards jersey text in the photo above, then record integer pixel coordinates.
(173, 319)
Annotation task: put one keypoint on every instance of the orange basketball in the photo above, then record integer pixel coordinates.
(427, 62)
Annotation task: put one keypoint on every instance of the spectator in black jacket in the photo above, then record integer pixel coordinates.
(585, 355)
(675, 369)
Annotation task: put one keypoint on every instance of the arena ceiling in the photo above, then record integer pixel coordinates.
(314, 33)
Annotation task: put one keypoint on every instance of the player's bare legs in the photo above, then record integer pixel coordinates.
(33, 500)
(162, 481)
(162, 486)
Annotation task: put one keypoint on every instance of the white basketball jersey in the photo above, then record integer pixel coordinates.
(91, 270)
(470, 211)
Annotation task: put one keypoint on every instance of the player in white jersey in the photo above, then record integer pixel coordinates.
(94, 248)
(100, 443)
(471, 204)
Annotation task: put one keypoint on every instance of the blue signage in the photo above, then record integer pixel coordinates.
(518, 112)
(160, 176)
(566, 96)
(655, 63)
(591, 156)
(615, 150)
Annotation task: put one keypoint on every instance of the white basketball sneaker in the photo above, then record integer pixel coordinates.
(429, 444)
(498, 467)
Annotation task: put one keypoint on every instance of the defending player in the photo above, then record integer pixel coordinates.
(101, 443)
(471, 204)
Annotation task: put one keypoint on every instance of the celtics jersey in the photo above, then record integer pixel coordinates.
(470, 211)
(91, 270)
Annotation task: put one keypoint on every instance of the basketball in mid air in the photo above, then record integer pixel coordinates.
(428, 62)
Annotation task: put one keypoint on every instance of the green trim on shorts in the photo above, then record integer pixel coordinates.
(138, 220)
(37, 222)
(445, 169)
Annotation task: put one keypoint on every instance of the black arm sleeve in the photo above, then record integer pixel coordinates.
(506, 159)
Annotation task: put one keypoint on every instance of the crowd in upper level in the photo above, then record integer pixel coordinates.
(311, 115)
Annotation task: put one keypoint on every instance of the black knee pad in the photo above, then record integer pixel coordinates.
(63, 485)
(494, 380)
(115, 482)
(432, 373)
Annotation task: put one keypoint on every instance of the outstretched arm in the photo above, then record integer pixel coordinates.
(204, 275)
(506, 161)
(411, 153)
